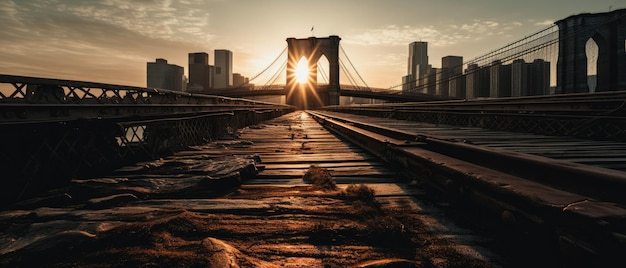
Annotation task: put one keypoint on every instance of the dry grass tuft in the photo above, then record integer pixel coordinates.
(361, 193)
(320, 177)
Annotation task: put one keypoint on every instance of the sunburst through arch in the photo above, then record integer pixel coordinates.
(302, 85)
(305, 75)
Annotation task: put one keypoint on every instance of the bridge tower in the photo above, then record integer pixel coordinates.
(309, 95)
(608, 30)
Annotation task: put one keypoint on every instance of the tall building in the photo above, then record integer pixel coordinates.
(539, 76)
(477, 81)
(200, 71)
(457, 87)
(418, 62)
(240, 80)
(430, 81)
(519, 78)
(223, 69)
(162, 75)
(451, 68)
(407, 82)
(528, 79)
(441, 82)
(500, 77)
(454, 64)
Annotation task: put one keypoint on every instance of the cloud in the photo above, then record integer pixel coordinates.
(393, 35)
(112, 54)
(544, 23)
(110, 40)
(170, 20)
(479, 27)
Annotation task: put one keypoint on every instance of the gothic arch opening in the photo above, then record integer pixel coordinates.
(323, 67)
(302, 71)
(576, 50)
(591, 51)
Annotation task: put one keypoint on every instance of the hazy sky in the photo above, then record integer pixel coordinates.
(110, 41)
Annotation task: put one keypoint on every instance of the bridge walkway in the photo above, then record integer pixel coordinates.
(184, 208)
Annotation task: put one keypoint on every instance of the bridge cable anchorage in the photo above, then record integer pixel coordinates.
(355, 70)
(267, 68)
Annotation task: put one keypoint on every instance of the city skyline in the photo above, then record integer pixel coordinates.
(111, 41)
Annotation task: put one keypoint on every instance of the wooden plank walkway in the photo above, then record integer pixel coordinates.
(163, 212)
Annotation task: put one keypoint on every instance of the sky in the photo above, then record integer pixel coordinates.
(110, 41)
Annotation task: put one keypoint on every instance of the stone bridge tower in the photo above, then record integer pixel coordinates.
(608, 30)
(309, 95)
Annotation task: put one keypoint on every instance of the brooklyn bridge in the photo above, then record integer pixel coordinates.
(513, 158)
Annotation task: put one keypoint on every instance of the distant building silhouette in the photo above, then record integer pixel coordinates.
(239, 80)
(407, 82)
(539, 76)
(223, 69)
(417, 63)
(500, 80)
(162, 75)
(519, 78)
(429, 81)
(477, 80)
(200, 77)
(451, 68)
(528, 79)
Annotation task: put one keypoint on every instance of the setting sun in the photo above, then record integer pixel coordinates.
(302, 71)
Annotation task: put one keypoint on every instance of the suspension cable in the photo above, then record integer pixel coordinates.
(348, 75)
(271, 64)
(349, 61)
(322, 72)
(275, 77)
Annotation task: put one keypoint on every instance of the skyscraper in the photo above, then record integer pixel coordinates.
(223, 69)
(200, 70)
(454, 69)
(239, 80)
(162, 75)
(451, 68)
(418, 62)
(539, 76)
(429, 84)
(500, 80)
(519, 78)
(477, 80)
(528, 79)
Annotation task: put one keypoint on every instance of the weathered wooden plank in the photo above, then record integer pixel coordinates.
(324, 165)
(317, 158)
(335, 172)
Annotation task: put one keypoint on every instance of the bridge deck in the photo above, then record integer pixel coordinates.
(161, 210)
